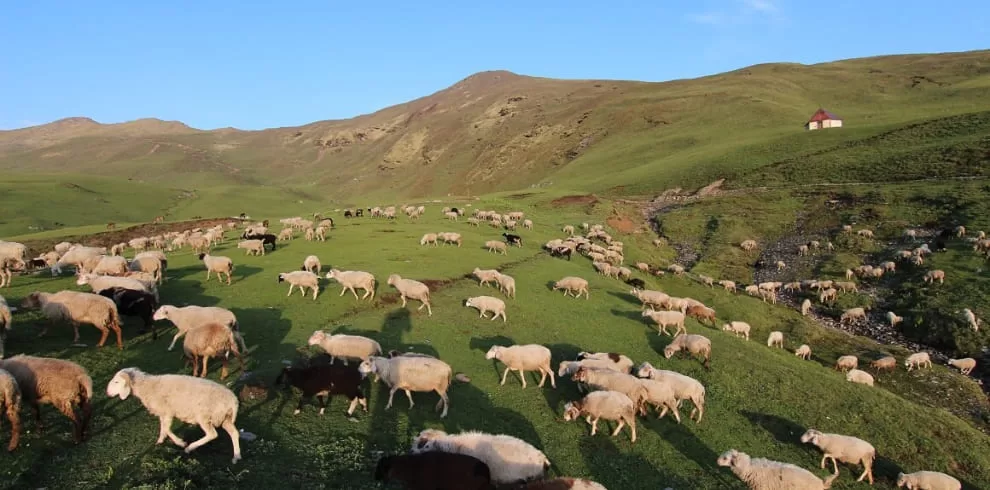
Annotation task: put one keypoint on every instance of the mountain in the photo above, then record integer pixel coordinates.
(501, 131)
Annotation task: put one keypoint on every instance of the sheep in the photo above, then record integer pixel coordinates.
(75, 308)
(528, 224)
(918, 360)
(927, 480)
(865, 233)
(302, 280)
(971, 319)
(960, 231)
(853, 314)
(449, 237)
(10, 398)
(219, 264)
(781, 265)
(134, 303)
(485, 276)
(665, 319)
(728, 285)
(98, 283)
(151, 265)
(611, 405)
(685, 387)
(345, 346)
(804, 352)
(14, 250)
(530, 357)
(312, 263)
(675, 269)
(888, 363)
(620, 362)
(740, 329)
(63, 384)
(935, 275)
(965, 366)
(828, 295)
(496, 246)
(484, 304)
(433, 470)
(320, 234)
(752, 290)
(610, 379)
(845, 363)
(414, 290)
(428, 239)
(776, 338)
(509, 459)
(861, 377)
(650, 298)
(568, 230)
(411, 373)
(77, 255)
(107, 265)
(764, 474)
(572, 284)
(802, 250)
(324, 381)
(189, 399)
(747, 245)
(189, 317)
(846, 287)
(351, 280)
(286, 234)
(510, 238)
(257, 247)
(692, 343)
(5, 324)
(659, 242)
(212, 340)
(507, 284)
(893, 319)
(805, 307)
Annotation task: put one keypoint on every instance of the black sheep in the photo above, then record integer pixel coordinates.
(267, 239)
(324, 381)
(348, 214)
(939, 246)
(135, 303)
(561, 252)
(435, 470)
(636, 283)
(36, 264)
(359, 213)
(512, 239)
(455, 210)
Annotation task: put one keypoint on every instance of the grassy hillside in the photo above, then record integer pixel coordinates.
(758, 400)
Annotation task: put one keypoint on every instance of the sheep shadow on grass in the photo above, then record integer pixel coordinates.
(566, 389)
(635, 315)
(624, 296)
(618, 469)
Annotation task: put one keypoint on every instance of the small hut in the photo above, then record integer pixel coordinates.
(823, 119)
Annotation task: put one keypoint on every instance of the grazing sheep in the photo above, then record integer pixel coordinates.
(804, 352)
(434, 470)
(927, 480)
(861, 377)
(412, 289)
(509, 459)
(692, 343)
(740, 329)
(776, 339)
(449, 237)
(888, 363)
(530, 357)
(781, 265)
(846, 287)
(965, 366)
(10, 400)
(257, 247)
(935, 275)
(190, 317)
(286, 234)
(747, 245)
(345, 347)
(77, 256)
(133, 303)
(150, 265)
(75, 308)
(351, 280)
(219, 264)
(510, 238)
(60, 383)
(829, 295)
(845, 363)
(610, 405)
(665, 319)
(311, 264)
(685, 387)
(971, 319)
(701, 313)
(764, 474)
(574, 285)
(853, 314)
(893, 319)
(650, 298)
(212, 340)
(484, 304)
(918, 360)
(528, 224)
(507, 284)
(189, 399)
(675, 269)
(302, 280)
(411, 373)
(324, 381)
(805, 307)
(568, 230)
(865, 233)
(802, 250)
(485, 276)
(428, 239)
(496, 246)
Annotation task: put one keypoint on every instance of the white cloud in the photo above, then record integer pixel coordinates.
(764, 6)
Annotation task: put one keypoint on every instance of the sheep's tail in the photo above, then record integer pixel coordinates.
(113, 320)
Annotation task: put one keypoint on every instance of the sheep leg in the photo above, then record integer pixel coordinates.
(522, 375)
(208, 275)
(211, 434)
(543, 378)
(353, 292)
(391, 393)
(234, 439)
(673, 408)
(165, 429)
(290, 290)
(594, 426)
(622, 423)
(323, 399)
(445, 401)
(302, 291)
(178, 334)
(403, 297)
(202, 372)
(342, 291)
(103, 337)
(409, 396)
(75, 333)
(824, 458)
(506, 373)
(223, 367)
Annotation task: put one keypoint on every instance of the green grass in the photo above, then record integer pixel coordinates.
(759, 400)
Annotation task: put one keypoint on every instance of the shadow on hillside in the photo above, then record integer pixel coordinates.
(628, 298)
(635, 315)
(566, 389)
(241, 271)
(688, 444)
(783, 430)
(617, 469)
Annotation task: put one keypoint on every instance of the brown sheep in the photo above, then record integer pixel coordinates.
(63, 384)
(10, 397)
(211, 340)
(702, 314)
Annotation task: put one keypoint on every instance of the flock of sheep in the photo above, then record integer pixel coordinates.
(616, 389)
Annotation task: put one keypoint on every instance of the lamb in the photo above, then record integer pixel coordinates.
(927, 480)
(312, 263)
(665, 319)
(740, 329)
(861, 377)
(344, 346)
(496, 246)
(884, 363)
(620, 362)
(764, 474)
(484, 304)
(412, 289)
(694, 344)
(918, 360)
(530, 357)
(219, 264)
(212, 340)
(776, 338)
(75, 308)
(324, 381)
(965, 366)
(10, 397)
(134, 303)
(507, 284)
(351, 280)
(509, 459)
(411, 373)
(433, 470)
(805, 307)
(302, 280)
(893, 319)
(428, 239)
(611, 405)
(190, 317)
(804, 352)
(853, 314)
(63, 384)
(845, 363)
(685, 387)
(485, 276)
(935, 275)
(189, 399)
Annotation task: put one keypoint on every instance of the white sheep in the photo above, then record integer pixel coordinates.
(485, 276)
(610, 405)
(344, 346)
(257, 247)
(496, 246)
(190, 317)
(568, 230)
(187, 398)
(484, 304)
(74, 308)
(740, 329)
(301, 280)
(568, 368)
(608, 379)
(529, 357)
(621, 363)
(685, 387)
(311, 264)
(219, 264)
(692, 343)
(665, 319)
(971, 319)
(776, 339)
(935, 275)
(805, 307)
(650, 298)
(918, 360)
(845, 363)
(853, 314)
(429, 239)
(804, 352)
(764, 474)
(351, 280)
(507, 284)
(747, 245)
(860, 377)
(927, 480)
(411, 373)
(728, 285)
(99, 283)
(509, 459)
(411, 289)
(965, 365)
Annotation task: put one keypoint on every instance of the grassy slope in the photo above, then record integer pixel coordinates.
(758, 400)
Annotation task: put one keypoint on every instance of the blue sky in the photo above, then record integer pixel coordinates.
(254, 65)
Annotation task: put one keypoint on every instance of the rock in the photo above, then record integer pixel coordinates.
(463, 378)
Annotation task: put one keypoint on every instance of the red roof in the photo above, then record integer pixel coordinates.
(822, 114)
